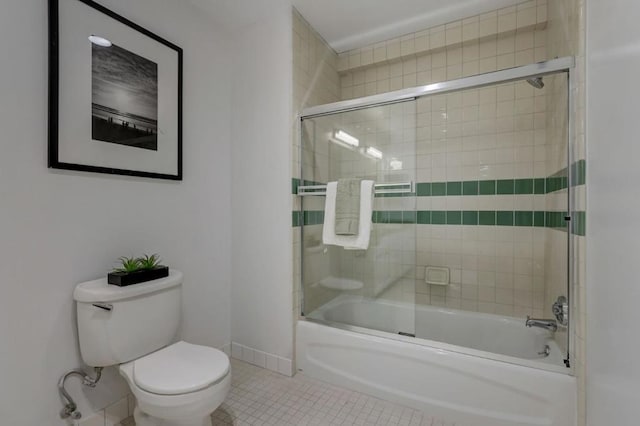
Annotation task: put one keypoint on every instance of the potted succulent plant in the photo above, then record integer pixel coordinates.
(134, 270)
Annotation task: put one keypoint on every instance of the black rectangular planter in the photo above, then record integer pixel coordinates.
(127, 278)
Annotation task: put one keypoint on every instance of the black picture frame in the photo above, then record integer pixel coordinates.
(54, 140)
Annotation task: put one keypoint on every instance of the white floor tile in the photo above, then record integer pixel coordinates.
(262, 397)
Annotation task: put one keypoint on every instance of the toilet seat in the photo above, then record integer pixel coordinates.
(192, 408)
(180, 368)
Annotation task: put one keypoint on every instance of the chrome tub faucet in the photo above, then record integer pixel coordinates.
(548, 324)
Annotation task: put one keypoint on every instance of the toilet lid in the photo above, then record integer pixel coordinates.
(180, 368)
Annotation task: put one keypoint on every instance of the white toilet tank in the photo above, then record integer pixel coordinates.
(120, 324)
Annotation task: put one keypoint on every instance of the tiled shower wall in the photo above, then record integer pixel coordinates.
(315, 82)
(492, 141)
(492, 41)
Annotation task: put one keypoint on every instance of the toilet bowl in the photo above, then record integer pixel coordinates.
(134, 328)
(180, 385)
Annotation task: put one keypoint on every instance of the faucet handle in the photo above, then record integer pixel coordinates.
(560, 310)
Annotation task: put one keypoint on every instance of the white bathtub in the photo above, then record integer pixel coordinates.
(485, 332)
(470, 387)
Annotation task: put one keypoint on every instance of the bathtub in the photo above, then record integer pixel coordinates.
(447, 370)
(484, 332)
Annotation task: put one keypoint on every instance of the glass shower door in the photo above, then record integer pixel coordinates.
(492, 200)
(373, 288)
(474, 238)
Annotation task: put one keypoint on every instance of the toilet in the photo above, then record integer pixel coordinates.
(134, 327)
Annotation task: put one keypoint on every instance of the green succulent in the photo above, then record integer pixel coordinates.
(129, 264)
(149, 262)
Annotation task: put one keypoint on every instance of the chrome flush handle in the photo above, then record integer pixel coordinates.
(105, 306)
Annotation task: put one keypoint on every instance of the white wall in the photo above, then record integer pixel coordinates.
(613, 229)
(60, 228)
(261, 291)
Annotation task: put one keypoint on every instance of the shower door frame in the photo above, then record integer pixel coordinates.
(539, 69)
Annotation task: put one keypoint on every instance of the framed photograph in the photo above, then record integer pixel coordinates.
(115, 94)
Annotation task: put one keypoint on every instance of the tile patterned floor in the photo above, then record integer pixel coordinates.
(262, 397)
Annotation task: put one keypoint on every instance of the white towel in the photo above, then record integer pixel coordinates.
(349, 242)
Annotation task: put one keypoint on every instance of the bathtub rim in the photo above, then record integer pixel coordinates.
(433, 344)
(346, 297)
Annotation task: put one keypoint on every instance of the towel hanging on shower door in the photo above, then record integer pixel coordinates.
(349, 242)
(348, 206)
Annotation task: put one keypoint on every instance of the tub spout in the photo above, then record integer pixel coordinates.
(549, 324)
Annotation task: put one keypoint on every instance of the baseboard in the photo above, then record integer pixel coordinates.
(262, 359)
(112, 415)
(226, 348)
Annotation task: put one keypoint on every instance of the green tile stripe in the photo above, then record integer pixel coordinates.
(559, 180)
(579, 172)
(308, 217)
(518, 218)
(579, 224)
(295, 219)
(471, 217)
(491, 187)
(555, 219)
(539, 186)
(311, 217)
(556, 182)
(483, 187)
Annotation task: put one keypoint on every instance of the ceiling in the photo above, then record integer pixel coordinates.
(235, 14)
(349, 24)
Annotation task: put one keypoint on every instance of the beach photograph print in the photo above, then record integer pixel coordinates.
(124, 104)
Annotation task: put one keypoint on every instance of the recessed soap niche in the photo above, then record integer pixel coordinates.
(435, 275)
